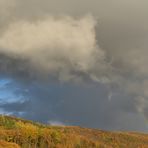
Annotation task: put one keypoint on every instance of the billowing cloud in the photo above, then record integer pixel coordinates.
(62, 47)
(88, 70)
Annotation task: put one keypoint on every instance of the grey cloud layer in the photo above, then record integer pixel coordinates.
(58, 40)
(54, 45)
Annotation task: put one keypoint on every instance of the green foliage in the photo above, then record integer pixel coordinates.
(7, 123)
(56, 137)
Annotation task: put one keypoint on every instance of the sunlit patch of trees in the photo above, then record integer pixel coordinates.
(28, 134)
(4, 144)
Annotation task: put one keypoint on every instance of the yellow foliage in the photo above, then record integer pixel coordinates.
(34, 135)
(28, 130)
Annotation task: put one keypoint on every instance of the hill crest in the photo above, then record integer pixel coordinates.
(17, 132)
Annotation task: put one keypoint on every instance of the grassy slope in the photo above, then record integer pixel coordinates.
(28, 134)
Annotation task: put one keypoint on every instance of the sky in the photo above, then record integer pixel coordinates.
(81, 62)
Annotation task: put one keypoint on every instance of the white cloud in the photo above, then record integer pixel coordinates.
(59, 46)
(56, 123)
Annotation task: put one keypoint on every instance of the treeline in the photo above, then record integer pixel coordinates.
(28, 135)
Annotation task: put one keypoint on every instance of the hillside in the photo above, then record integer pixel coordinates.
(19, 133)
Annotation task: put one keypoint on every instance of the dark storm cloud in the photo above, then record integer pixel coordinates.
(79, 105)
(96, 75)
(15, 106)
(13, 66)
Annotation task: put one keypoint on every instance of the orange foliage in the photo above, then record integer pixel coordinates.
(4, 144)
(34, 135)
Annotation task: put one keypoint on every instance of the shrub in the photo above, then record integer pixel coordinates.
(7, 123)
(56, 137)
